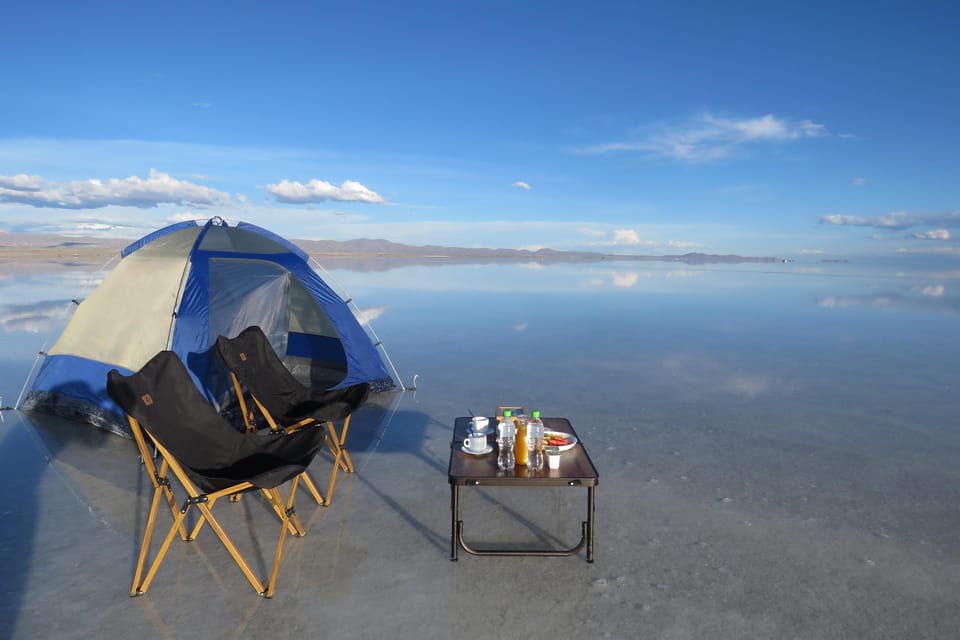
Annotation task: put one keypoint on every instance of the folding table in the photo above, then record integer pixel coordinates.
(471, 470)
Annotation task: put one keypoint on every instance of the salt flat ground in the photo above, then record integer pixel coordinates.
(777, 453)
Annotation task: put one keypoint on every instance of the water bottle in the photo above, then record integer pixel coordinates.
(506, 434)
(535, 442)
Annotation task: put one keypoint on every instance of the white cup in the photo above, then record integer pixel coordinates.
(475, 443)
(553, 460)
(479, 424)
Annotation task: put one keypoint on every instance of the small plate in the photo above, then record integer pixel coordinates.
(477, 453)
(570, 438)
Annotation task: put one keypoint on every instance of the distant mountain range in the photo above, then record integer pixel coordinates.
(56, 247)
(388, 249)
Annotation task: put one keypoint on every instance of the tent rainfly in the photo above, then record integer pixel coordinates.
(181, 287)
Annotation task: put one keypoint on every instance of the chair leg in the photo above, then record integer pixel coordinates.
(141, 589)
(291, 521)
(145, 545)
(161, 487)
(232, 549)
(343, 439)
(158, 476)
(311, 487)
(337, 444)
(196, 528)
(333, 442)
(297, 527)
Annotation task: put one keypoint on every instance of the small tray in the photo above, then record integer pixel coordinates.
(515, 408)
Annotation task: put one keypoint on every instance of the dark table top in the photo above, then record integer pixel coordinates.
(576, 467)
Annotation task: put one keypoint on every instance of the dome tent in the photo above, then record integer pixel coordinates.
(181, 287)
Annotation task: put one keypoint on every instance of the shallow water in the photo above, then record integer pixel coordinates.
(777, 443)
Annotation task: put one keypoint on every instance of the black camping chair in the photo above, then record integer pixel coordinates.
(209, 458)
(284, 402)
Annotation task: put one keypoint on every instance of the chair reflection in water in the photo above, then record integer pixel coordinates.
(284, 403)
(209, 459)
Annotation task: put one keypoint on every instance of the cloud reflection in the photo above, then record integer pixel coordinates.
(930, 298)
(710, 375)
(370, 314)
(625, 280)
(37, 317)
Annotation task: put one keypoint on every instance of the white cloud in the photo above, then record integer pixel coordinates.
(897, 220)
(186, 216)
(522, 185)
(21, 182)
(626, 236)
(144, 193)
(321, 191)
(859, 182)
(811, 252)
(708, 137)
(684, 245)
(936, 234)
(594, 233)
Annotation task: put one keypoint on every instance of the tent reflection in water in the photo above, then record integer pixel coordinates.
(181, 287)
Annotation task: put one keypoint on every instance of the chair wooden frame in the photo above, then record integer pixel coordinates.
(204, 503)
(251, 360)
(208, 459)
(335, 439)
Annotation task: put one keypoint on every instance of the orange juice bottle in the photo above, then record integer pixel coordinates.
(520, 446)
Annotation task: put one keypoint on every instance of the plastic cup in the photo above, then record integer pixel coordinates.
(553, 458)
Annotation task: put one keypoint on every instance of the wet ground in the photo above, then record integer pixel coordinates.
(690, 544)
(777, 454)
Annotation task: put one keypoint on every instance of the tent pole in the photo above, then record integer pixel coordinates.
(33, 368)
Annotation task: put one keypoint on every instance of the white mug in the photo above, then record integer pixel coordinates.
(479, 424)
(475, 443)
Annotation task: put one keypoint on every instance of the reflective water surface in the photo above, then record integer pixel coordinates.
(777, 443)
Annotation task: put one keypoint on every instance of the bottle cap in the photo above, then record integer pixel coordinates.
(536, 413)
(507, 413)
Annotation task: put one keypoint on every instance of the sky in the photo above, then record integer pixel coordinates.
(806, 130)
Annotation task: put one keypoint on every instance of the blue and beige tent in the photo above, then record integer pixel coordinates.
(180, 288)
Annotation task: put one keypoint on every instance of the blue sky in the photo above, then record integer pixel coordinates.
(800, 130)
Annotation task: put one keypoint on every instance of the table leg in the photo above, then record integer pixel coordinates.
(454, 519)
(590, 510)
